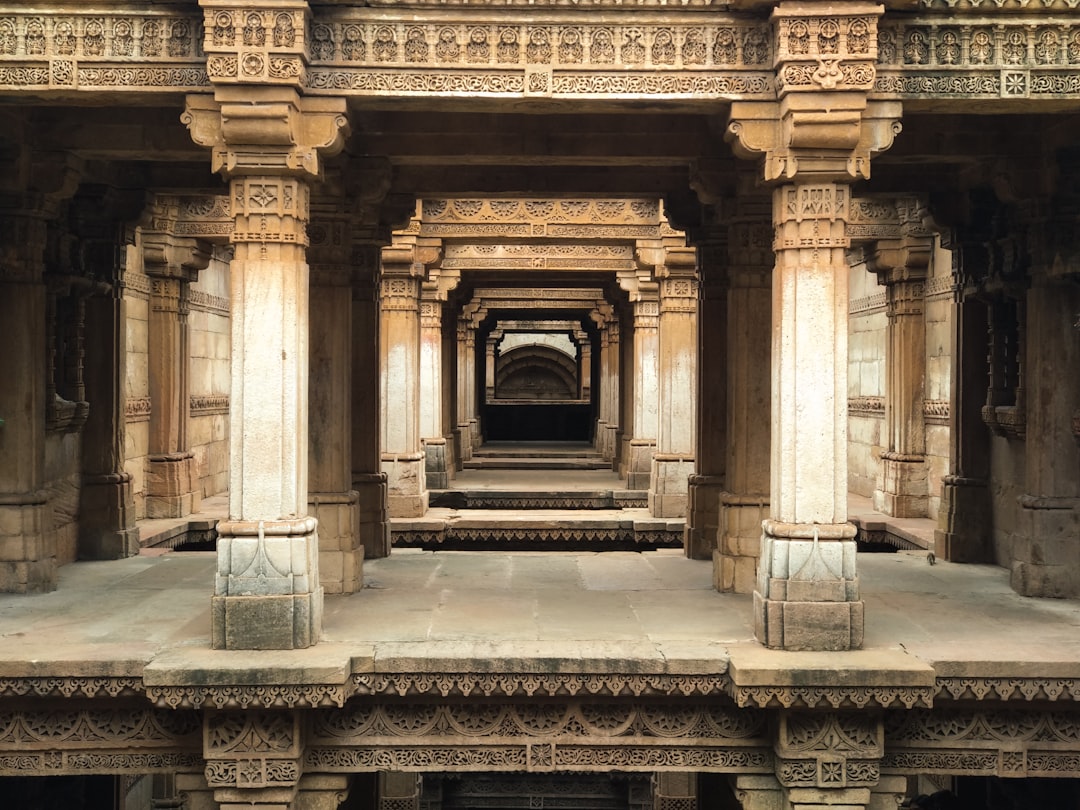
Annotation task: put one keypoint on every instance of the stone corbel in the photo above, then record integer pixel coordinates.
(266, 130)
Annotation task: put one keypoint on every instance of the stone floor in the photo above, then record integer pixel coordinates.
(653, 610)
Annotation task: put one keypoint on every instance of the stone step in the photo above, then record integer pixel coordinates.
(536, 463)
(536, 450)
(558, 530)
(538, 499)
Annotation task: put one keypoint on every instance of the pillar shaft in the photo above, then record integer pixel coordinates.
(744, 504)
(399, 340)
(673, 462)
(646, 391)
(463, 429)
(807, 593)
(611, 385)
(436, 459)
(368, 479)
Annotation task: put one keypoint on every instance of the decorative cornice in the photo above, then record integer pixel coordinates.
(866, 406)
(867, 305)
(137, 410)
(209, 405)
(197, 299)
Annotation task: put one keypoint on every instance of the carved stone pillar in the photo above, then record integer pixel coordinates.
(27, 544)
(584, 347)
(437, 461)
(331, 498)
(172, 483)
(1046, 540)
(368, 479)
(267, 141)
(106, 501)
(815, 140)
(244, 770)
(462, 430)
(600, 432)
(901, 265)
(399, 341)
(321, 792)
(744, 504)
(673, 462)
(965, 517)
(644, 396)
(491, 347)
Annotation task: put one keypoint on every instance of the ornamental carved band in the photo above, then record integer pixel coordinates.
(829, 750)
(252, 45)
(836, 52)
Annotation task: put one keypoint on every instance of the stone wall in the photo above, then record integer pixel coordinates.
(208, 324)
(209, 345)
(866, 379)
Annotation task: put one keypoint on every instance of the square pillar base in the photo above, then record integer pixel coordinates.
(904, 489)
(739, 541)
(340, 554)
(702, 516)
(669, 485)
(964, 532)
(285, 622)
(1046, 556)
(639, 464)
(406, 495)
(27, 550)
(172, 487)
(436, 464)
(808, 626)
(107, 518)
(373, 531)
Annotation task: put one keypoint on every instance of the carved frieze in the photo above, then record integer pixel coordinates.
(532, 256)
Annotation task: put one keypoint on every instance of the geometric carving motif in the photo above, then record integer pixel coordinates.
(828, 750)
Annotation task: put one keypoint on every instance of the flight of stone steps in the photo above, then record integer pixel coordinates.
(530, 496)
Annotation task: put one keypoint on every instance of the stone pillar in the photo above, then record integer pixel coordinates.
(705, 485)
(673, 462)
(463, 428)
(491, 348)
(437, 459)
(368, 479)
(27, 548)
(244, 771)
(331, 499)
(584, 347)
(610, 385)
(767, 793)
(815, 140)
(27, 543)
(600, 432)
(1046, 541)
(399, 374)
(172, 481)
(106, 502)
(641, 443)
(267, 594)
(194, 792)
(321, 792)
(473, 388)
(901, 265)
(744, 503)
(964, 531)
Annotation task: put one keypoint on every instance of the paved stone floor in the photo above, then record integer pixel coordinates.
(650, 610)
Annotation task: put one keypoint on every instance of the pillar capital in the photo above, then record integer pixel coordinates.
(266, 130)
(261, 42)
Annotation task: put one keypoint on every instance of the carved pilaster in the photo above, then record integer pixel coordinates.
(901, 265)
(645, 302)
(438, 453)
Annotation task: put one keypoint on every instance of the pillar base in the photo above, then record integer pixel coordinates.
(739, 541)
(27, 550)
(406, 495)
(1046, 557)
(463, 438)
(267, 594)
(669, 485)
(341, 557)
(807, 595)
(904, 488)
(436, 467)
(964, 521)
(639, 464)
(172, 486)
(107, 518)
(374, 528)
(702, 515)
(287, 622)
